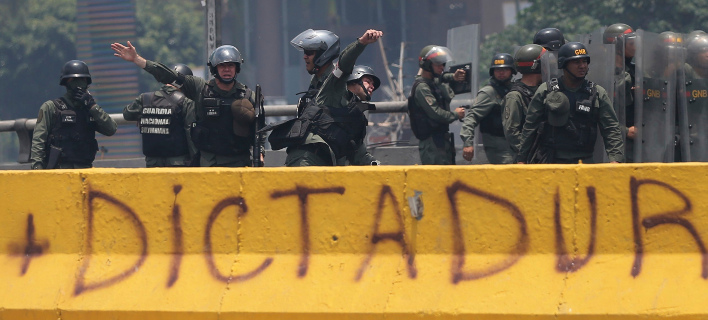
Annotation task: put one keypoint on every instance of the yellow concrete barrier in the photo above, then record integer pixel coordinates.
(494, 242)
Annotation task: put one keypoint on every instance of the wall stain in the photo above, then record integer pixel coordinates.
(303, 194)
(223, 204)
(565, 262)
(399, 236)
(458, 260)
(178, 242)
(668, 217)
(81, 286)
(29, 250)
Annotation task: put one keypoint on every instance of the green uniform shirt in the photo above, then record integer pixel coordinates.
(45, 122)
(424, 98)
(193, 89)
(514, 115)
(607, 123)
(486, 100)
(133, 111)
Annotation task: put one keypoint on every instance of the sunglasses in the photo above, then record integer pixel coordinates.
(310, 52)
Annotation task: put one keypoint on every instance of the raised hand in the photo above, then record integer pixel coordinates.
(370, 36)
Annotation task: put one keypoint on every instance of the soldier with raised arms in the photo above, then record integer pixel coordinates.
(223, 131)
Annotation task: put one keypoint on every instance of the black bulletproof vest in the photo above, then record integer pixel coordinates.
(343, 129)
(161, 124)
(213, 132)
(422, 126)
(492, 123)
(580, 133)
(74, 131)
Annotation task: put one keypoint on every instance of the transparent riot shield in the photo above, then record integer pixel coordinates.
(693, 110)
(657, 65)
(549, 66)
(463, 43)
(602, 73)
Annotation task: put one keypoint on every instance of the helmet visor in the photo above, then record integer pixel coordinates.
(308, 40)
(439, 55)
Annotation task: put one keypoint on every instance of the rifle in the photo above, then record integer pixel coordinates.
(258, 125)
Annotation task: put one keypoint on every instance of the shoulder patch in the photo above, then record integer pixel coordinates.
(430, 100)
(507, 113)
(40, 116)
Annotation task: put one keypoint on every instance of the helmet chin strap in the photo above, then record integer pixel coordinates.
(224, 80)
(366, 92)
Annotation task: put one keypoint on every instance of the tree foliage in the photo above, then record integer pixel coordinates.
(574, 17)
(170, 32)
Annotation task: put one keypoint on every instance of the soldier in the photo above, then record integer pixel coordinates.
(65, 134)
(331, 125)
(693, 114)
(551, 39)
(528, 62)
(165, 118)
(623, 35)
(487, 112)
(223, 131)
(429, 106)
(564, 115)
(697, 58)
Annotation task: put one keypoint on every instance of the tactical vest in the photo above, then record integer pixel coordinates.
(343, 129)
(74, 132)
(580, 133)
(213, 132)
(423, 127)
(306, 99)
(492, 123)
(161, 124)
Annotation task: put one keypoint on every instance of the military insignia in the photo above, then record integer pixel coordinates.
(430, 100)
(507, 113)
(40, 116)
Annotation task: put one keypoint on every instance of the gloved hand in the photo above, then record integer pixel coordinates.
(84, 97)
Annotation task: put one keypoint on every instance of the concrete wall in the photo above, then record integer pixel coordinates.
(494, 242)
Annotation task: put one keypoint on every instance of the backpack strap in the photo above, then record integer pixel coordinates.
(146, 98)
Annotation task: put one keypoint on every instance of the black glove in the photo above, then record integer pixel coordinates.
(84, 97)
(37, 166)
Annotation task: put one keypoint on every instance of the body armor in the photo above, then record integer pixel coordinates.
(423, 127)
(580, 133)
(213, 132)
(162, 125)
(492, 123)
(74, 133)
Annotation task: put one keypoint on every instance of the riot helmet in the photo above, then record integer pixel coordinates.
(74, 69)
(224, 54)
(670, 39)
(571, 51)
(183, 69)
(693, 35)
(697, 49)
(527, 59)
(613, 32)
(324, 42)
(358, 73)
(550, 38)
(502, 60)
(433, 54)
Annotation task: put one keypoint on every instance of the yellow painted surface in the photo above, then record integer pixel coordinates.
(331, 243)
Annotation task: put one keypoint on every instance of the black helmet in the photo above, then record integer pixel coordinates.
(360, 71)
(74, 69)
(550, 38)
(433, 54)
(571, 51)
(528, 59)
(613, 32)
(183, 69)
(324, 42)
(502, 60)
(223, 54)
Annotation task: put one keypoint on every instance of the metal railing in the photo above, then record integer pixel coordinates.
(23, 127)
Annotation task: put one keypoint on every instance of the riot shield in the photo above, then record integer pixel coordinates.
(601, 72)
(463, 43)
(693, 113)
(549, 66)
(657, 65)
